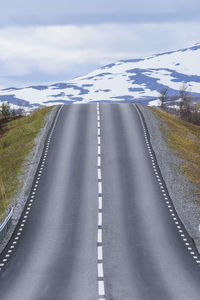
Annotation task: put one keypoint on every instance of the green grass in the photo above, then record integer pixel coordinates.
(16, 142)
(184, 138)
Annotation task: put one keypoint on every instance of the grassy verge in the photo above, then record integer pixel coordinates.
(16, 141)
(184, 138)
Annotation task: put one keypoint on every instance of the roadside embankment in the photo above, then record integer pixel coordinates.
(177, 147)
(21, 155)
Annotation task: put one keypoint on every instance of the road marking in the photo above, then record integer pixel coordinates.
(100, 272)
(100, 253)
(99, 219)
(33, 192)
(98, 161)
(101, 288)
(99, 174)
(159, 179)
(100, 269)
(99, 238)
(100, 202)
(99, 150)
(100, 187)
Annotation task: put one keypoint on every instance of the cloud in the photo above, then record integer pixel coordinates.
(55, 53)
(62, 12)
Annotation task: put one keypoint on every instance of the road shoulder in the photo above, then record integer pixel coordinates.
(182, 192)
(28, 174)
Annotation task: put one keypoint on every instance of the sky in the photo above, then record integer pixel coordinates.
(53, 41)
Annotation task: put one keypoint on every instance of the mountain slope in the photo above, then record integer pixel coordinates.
(137, 80)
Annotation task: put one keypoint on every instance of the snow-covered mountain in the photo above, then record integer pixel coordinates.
(136, 80)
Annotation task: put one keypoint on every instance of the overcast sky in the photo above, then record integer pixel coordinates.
(51, 41)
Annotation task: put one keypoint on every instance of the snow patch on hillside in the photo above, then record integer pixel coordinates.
(137, 80)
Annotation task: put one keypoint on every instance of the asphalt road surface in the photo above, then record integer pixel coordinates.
(99, 223)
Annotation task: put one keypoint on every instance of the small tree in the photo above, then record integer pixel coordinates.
(185, 102)
(20, 110)
(163, 97)
(5, 110)
(13, 113)
(196, 113)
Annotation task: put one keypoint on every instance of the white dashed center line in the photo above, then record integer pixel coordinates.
(100, 269)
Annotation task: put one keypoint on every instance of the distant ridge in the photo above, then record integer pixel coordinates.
(132, 80)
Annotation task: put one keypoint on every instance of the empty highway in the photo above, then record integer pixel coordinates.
(99, 223)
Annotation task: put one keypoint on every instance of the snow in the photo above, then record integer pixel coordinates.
(154, 103)
(137, 80)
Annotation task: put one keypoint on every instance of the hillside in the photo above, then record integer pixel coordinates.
(137, 80)
(17, 135)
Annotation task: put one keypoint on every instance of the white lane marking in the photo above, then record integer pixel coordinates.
(99, 219)
(101, 285)
(100, 253)
(98, 161)
(99, 150)
(101, 288)
(99, 174)
(33, 192)
(99, 239)
(100, 202)
(100, 269)
(163, 190)
(100, 187)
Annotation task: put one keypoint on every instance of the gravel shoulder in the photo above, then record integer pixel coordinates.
(28, 174)
(180, 189)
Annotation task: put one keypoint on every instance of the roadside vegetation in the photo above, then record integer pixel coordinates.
(17, 134)
(184, 138)
(183, 105)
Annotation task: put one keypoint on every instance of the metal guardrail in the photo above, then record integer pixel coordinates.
(5, 225)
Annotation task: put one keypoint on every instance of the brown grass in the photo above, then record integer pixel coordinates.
(16, 141)
(184, 138)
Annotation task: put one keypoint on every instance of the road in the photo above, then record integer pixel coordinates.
(99, 223)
